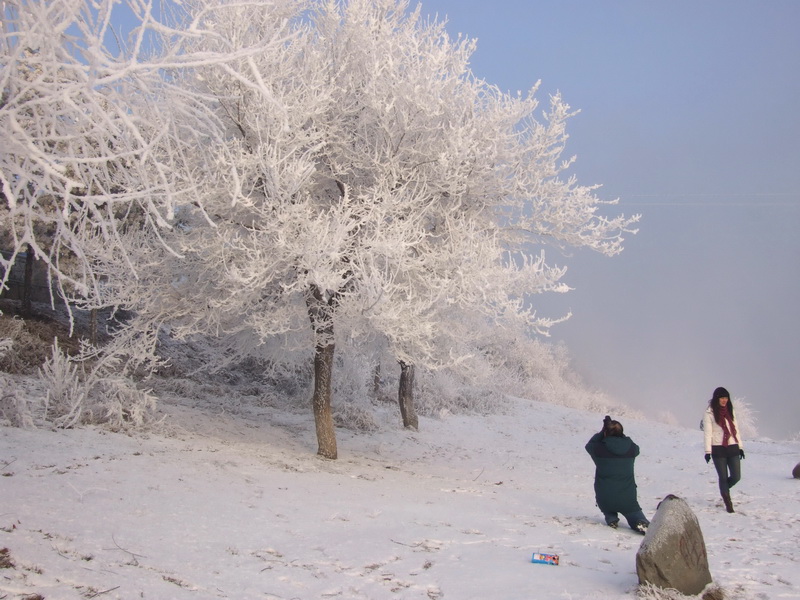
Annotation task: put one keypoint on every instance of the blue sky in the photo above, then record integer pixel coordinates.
(689, 115)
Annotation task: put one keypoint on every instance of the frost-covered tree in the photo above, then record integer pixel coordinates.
(369, 185)
(99, 139)
(93, 132)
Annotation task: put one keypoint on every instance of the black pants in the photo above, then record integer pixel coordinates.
(728, 465)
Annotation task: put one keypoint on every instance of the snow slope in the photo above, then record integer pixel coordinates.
(234, 503)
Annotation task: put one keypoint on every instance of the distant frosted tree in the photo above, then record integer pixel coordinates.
(369, 185)
(746, 418)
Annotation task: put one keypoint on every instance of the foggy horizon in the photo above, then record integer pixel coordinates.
(687, 115)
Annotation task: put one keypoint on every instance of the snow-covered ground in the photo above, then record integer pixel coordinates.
(234, 503)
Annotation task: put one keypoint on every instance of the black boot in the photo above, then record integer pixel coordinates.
(726, 498)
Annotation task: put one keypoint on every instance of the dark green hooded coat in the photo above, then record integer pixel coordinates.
(614, 483)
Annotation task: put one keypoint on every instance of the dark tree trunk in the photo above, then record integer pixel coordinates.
(405, 396)
(27, 285)
(376, 381)
(93, 327)
(320, 311)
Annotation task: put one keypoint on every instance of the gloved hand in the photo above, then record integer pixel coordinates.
(708, 457)
(741, 454)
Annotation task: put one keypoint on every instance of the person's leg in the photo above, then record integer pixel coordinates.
(735, 470)
(637, 520)
(721, 465)
(612, 518)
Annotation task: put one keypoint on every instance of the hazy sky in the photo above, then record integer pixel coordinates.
(690, 114)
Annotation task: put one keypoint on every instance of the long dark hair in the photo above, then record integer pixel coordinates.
(720, 392)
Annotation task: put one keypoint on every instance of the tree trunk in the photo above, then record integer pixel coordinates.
(321, 402)
(93, 327)
(405, 396)
(320, 311)
(27, 285)
(376, 382)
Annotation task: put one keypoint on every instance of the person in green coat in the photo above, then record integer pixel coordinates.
(613, 454)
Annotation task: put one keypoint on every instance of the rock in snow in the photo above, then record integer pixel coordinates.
(673, 553)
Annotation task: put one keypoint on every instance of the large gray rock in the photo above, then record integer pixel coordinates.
(673, 553)
(796, 471)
